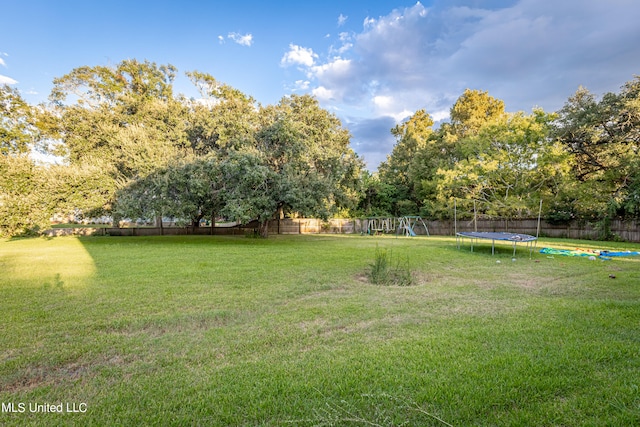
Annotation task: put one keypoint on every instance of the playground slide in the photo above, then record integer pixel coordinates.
(410, 231)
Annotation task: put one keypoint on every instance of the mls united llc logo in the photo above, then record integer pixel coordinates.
(44, 408)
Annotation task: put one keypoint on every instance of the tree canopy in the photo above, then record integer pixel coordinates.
(133, 148)
(162, 154)
(297, 160)
(16, 122)
(583, 160)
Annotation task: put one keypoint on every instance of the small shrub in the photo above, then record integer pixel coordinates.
(384, 272)
(379, 273)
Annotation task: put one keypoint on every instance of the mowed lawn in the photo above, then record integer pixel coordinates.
(287, 331)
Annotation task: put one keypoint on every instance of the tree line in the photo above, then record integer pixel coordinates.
(132, 148)
(581, 161)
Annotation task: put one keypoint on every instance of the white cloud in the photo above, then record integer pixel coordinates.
(346, 43)
(342, 49)
(323, 94)
(342, 20)
(302, 85)
(526, 52)
(221, 39)
(4, 80)
(335, 70)
(386, 105)
(440, 115)
(368, 22)
(336, 76)
(298, 55)
(382, 102)
(241, 39)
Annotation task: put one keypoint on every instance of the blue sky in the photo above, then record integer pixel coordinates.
(372, 63)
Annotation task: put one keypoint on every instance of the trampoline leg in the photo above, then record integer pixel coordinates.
(493, 247)
(530, 247)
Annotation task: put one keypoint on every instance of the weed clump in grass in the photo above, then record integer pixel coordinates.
(385, 272)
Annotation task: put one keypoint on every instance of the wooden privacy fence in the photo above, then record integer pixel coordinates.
(624, 230)
(317, 226)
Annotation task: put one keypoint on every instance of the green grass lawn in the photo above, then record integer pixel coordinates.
(231, 331)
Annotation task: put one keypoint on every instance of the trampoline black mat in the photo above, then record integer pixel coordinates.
(492, 235)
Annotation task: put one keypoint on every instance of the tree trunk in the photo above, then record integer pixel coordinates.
(159, 224)
(264, 229)
(116, 220)
(195, 223)
(213, 220)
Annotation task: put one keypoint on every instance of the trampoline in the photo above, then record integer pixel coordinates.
(514, 238)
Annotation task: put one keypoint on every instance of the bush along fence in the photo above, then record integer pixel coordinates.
(620, 230)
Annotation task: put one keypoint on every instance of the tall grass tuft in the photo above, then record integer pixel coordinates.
(385, 272)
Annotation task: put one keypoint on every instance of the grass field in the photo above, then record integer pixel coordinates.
(287, 331)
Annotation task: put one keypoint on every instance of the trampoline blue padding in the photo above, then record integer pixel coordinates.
(493, 236)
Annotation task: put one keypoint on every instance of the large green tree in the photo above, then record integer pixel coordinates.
(293, 157)
(123, 120)
(252, 188)
(25, 206)
(222, 119)
(473, 110)
(604, 138)
(377, 197)
(510, 164)
(17, 123)
(307, 148)
(414, 167)
(412, 137)
(188, 189)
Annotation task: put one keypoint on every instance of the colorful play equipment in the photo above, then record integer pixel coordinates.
(619, 253)
(588, 253)
(409, 224)
(406, 225)
(380, 225)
